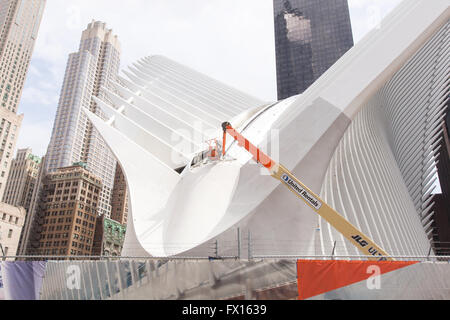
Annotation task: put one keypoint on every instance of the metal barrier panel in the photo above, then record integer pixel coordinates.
(208, 279)
(169, 280)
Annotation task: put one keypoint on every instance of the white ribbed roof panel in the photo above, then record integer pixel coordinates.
(171, 103)
(386, 159)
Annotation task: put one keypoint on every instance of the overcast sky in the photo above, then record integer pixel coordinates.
(230, 40)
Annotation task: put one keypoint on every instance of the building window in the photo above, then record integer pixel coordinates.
(10, 233)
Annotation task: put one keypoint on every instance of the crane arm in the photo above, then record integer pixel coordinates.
(279, 172)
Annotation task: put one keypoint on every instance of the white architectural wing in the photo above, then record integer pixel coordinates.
(363, 136)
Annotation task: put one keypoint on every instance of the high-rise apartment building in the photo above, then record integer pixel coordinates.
(19, 25)
(22, 179)
(68, 212)
(119, 210)
(310, 36)
(74, 139)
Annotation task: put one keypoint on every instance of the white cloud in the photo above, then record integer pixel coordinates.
(34, 95)
(208, 35)
(35, 135)
(361, 4)
(367, 14)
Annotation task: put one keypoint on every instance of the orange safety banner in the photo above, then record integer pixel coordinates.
(315, 277)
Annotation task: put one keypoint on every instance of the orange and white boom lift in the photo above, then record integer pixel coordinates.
(277, 171)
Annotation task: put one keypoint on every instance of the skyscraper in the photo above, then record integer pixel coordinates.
(310, 36)
(22, 179)
(74, 139)
(19, 25)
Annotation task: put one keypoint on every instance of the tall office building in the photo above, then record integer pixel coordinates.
(310, 36)
(74, 139)
(19, 25)
(119, 211)
(68, 214)
(22, 179)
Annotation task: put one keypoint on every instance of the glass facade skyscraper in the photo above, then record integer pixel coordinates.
(310, 36)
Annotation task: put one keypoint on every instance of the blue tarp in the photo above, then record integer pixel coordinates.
(21, 280)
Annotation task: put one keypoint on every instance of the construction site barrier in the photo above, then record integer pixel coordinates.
(224, 279)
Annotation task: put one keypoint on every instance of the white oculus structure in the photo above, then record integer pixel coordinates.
(364, 136)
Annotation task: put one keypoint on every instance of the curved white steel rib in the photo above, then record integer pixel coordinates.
(386, 159)
(172, 214)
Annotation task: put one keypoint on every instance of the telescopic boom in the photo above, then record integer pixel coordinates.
(277, 171)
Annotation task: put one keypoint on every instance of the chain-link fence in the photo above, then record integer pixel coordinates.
(245, 246)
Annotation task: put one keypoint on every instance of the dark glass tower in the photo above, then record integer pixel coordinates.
(310, 36)
(441, 224)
